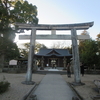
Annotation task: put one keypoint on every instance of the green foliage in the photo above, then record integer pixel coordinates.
(38, 46)
(24, 12)
(25, 51)
(9, 50)
(4, 85)
(12, 11)
(87, 50)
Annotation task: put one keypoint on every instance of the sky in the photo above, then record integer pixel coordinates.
(69, 12)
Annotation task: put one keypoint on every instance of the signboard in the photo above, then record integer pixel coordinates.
(13, 62)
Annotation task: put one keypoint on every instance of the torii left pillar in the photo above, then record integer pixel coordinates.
(28, 80)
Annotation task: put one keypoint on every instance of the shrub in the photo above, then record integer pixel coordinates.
(4, 86)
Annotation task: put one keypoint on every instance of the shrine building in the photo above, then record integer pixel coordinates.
(53, 57)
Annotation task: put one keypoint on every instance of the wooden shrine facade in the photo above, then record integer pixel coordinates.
(53, 57)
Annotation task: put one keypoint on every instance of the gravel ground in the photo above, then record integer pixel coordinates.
(86, 91)
(17, 90)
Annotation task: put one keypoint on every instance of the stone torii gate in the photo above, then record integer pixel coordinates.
(72, 27)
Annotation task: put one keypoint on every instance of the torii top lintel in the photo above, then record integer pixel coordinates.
(77, 26)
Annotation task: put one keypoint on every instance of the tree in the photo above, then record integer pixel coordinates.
(87, 51)
(59, 45)
(98, 46)
(24, 52)
(12, 11)
(24, 12)
(98, 37)
(84, 33)
(38, 46)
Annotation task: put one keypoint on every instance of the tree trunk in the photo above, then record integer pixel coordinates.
(1, 62)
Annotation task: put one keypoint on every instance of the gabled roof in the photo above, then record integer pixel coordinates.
(54, 52)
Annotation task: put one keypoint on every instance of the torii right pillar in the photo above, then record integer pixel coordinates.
(75, 52)
(76, 61)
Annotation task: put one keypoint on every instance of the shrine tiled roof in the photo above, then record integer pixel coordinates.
(54, 52)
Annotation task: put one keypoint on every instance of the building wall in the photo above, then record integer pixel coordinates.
(55, 61)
